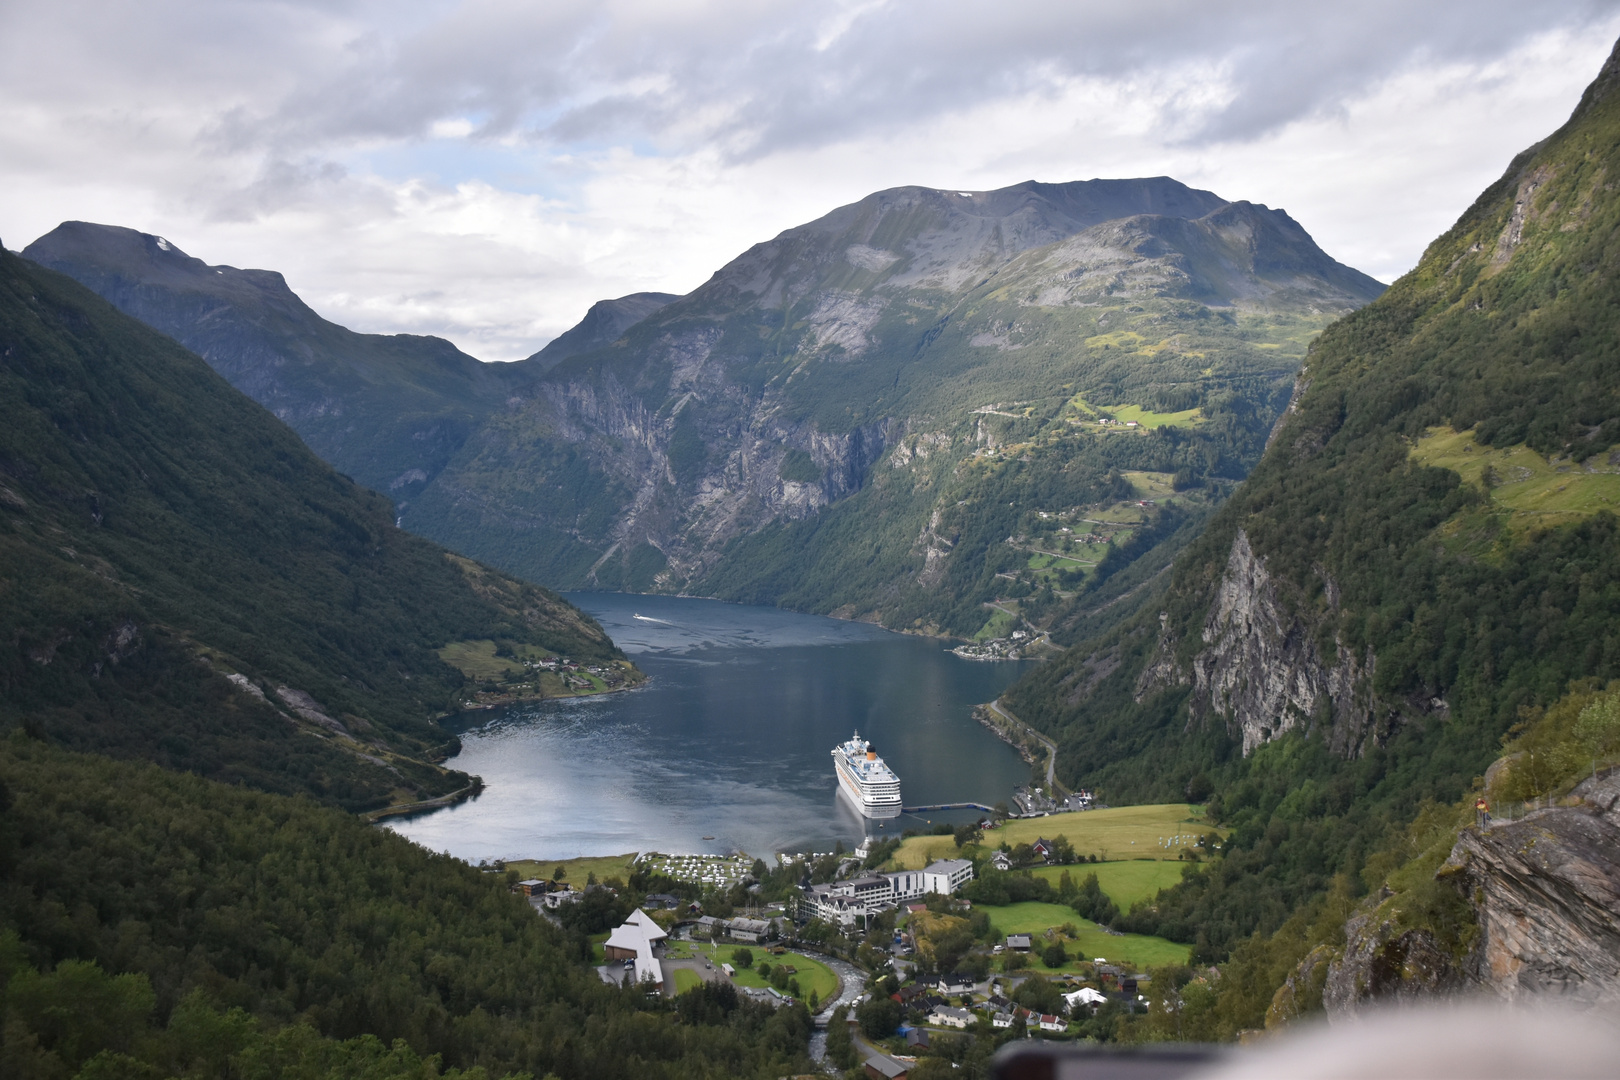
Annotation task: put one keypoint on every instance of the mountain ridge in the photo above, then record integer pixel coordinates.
(183, 580)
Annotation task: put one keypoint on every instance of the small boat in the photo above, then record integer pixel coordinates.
(708, 838)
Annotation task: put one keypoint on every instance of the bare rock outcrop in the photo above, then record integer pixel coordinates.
(1261, 669)
(1544, 893)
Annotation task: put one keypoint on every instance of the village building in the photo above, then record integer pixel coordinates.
(956, 983)
(1084, 998)
(950, 1016)
(947, 875)
(880, 1067)
(1018, 942)
(637, 940)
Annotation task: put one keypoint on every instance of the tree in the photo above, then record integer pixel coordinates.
(1038, 995)
(1067, 888)
(878, 1017)
(742, 957)
(1055, 955)
(840, 1047)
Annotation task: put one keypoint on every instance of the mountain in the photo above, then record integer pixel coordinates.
(1421, 568)
(183, 581)
(602, 325)
(916, 406)
(388, 410)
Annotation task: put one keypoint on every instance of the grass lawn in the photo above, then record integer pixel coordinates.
(1120, 833)
(598, 950)
(686, 979)
(1133, 950)
(812, 974)
(1124, 882)
(579, 870)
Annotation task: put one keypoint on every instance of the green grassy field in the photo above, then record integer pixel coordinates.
(1536, 493)
(812, 974)
(1119, 833)
(1090, 942)
(686, 979)
(1124, 882)
(477, 659)
(578, 870)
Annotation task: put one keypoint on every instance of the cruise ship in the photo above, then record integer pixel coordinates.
(866, 780)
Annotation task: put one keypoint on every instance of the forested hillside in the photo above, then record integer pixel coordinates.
(153, 924)
(386, 409)
(1425, 558)
(182, 580)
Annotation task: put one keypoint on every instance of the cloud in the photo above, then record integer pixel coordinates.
(486, 169)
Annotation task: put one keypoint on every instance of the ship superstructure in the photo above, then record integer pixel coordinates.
(863, 777)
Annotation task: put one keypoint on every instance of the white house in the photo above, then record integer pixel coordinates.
(637, 940)
(947, 875)
(951, 1016)
(1084, 998)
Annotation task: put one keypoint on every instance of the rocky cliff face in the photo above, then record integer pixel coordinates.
(903, 323)
(1544, 894)
(1261, 669)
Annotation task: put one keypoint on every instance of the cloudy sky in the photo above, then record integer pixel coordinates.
(486, 169)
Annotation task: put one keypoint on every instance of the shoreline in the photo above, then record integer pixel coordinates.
(426, 805)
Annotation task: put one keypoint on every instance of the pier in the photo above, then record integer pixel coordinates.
(948, 806)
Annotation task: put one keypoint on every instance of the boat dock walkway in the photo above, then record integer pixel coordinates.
(948, 806)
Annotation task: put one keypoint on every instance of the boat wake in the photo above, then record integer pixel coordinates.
(649, 618)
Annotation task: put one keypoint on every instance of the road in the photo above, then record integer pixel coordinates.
(1051, 747)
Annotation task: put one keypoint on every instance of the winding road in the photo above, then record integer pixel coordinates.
(1051, 747)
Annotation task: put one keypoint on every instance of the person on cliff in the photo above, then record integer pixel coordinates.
(1482, 811)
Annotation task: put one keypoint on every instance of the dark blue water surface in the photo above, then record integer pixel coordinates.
(731, 738)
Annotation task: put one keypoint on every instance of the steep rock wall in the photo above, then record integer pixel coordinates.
(1260, 669)
(1544, 893)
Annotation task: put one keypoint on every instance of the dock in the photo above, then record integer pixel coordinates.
(948, 806)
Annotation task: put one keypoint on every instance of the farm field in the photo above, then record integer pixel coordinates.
(1124, 882)
(1131, 950)
(1119, 833)
(578, 870)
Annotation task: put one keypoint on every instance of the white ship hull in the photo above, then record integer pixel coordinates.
(873, 799)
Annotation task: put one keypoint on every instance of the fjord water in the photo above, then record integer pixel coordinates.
(730, 739)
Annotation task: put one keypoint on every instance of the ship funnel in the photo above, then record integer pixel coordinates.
(871, 755)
